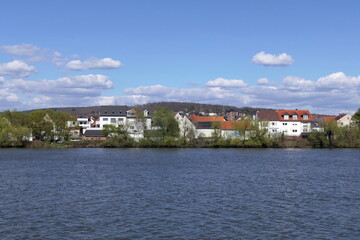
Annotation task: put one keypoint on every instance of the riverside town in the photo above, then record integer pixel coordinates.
(125, 126)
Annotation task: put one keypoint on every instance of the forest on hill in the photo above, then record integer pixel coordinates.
(173, 106)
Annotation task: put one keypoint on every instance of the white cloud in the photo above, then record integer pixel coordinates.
(21, 50)
(16, 69)
(8, 99)
(297, 83)
(338, 81)
(268, 59)
(2, 79)
(262, 81)
(94, 63)
(161, 93)
(77, 86)
(226, 83)
(291, 92)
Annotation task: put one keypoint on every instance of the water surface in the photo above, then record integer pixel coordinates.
(179, 194)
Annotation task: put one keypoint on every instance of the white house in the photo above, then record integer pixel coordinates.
(123, 116)
(344, 120)
(291, 123)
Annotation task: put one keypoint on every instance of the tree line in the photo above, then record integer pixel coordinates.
(17, 128)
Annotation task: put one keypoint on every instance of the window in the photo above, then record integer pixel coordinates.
(294, 124)
(273, 123)
(113, 120)
(284, 123)
(294, 130)
(294, 117)
(105, 119)
(306, 117)
(286, 117)
(120, 119)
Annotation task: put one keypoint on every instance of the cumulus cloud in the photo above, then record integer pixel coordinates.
(78, 86)
(297, 83)
(16, 69)
(291, 92)
(94, 63)
(268, 59)
(262, 81)
(226, 83)
(21, 50)
(29, 52)
(8, 99)
(338, 81)
(160, 93)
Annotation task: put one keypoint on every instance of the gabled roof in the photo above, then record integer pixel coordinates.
(93, 133)
(340, 116)
(195, 118)
(268, 115)
(329, 118)
(232, 125)
(300, 115)
(278, 115)
(113, 110)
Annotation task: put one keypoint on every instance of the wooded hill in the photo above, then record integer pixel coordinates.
(173, 106)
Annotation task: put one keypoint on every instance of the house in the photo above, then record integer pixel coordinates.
(290, 123)
(136, 125)
(94, 134)
(344, 120)
(235, 129)
(119, 116)
(205, 126)
(232, 115)
(114, 115)
(186, 127)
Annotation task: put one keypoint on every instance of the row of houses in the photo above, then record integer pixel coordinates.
(131, 119)
(291, 123)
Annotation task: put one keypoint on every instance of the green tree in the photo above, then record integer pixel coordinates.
(164, 119)
(216, 135)
(356, 118)
(118, 132)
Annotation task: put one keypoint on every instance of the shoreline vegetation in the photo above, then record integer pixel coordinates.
(314, 140)
(48, 129)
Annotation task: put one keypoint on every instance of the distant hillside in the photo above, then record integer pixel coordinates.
(174, 106)
(198, 107)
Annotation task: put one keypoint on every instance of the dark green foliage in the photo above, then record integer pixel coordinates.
(356, 118)
(164, 119)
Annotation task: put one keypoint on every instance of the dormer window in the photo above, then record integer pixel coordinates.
(295, 117)
(306, 117)
(286, 117)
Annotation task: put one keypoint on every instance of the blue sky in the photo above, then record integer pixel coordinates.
(278, 54)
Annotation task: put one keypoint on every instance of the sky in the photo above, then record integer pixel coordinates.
(281, 54)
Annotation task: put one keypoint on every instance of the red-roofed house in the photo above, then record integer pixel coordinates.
(230, 129)
(288, 122)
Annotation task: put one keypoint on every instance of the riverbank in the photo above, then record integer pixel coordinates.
(111, 143)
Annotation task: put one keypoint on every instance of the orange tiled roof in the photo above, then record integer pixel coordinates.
(232, 125)
(329, 118)
(195, 118)
(299, 113)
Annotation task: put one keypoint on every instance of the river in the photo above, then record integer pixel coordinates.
(179, 194)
